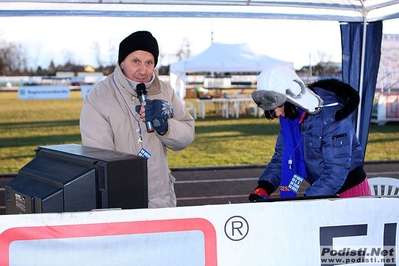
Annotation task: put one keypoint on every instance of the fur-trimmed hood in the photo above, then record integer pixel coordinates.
(346, 93)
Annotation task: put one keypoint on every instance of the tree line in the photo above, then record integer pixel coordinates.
(14, 62)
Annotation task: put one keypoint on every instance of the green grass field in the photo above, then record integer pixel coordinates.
(27, 124)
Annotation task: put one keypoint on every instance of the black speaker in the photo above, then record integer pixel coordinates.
(71, 177)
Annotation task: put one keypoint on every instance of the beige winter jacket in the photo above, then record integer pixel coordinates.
(108, 120)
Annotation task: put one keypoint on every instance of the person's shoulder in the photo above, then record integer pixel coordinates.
(101, 89)
(164, 87)
(163, 83)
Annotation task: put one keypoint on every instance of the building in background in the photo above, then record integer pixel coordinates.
(386, 100)
(78, 78)
(388, 73)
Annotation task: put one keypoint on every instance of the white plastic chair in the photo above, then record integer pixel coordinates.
(384, 186)
(190, 107)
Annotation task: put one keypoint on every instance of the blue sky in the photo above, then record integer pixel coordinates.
(62, 38)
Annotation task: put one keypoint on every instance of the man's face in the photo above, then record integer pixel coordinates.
(138, 66)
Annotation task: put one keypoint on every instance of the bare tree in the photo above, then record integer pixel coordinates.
(69, 59)
(112, 53)
(324, 67)
(97, 54)
(184, 51)
(12, 59)
(324, 56)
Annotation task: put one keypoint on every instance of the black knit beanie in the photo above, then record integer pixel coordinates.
(139, 40)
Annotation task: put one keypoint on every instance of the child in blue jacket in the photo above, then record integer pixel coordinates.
(316, 141)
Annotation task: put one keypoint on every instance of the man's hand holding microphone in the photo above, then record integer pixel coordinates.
(155, 112)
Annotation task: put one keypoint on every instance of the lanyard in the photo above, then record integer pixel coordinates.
(140, 139)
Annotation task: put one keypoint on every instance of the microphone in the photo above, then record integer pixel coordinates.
(142, 93)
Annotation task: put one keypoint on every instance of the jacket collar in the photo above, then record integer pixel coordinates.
(120, 78)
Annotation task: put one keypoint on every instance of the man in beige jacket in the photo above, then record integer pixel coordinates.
(114, 118)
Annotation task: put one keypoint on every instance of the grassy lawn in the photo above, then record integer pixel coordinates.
(27, 124)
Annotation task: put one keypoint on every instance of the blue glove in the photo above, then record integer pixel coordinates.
(158, 112)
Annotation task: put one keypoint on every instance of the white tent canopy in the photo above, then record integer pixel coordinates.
(222, 58)
(336, 10)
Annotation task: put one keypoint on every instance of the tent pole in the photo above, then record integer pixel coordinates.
(361, 75)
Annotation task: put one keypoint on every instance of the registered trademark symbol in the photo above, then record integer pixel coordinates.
(236, 228)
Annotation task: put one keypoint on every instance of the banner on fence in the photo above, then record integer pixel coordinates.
(43, 92)
(307, 232)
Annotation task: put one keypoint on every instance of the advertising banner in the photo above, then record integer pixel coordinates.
(43, 92)
(387, 109)
(357, 231)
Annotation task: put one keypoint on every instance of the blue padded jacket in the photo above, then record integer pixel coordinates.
(332, 152)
